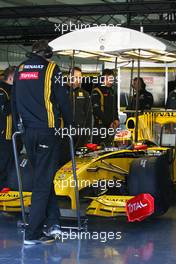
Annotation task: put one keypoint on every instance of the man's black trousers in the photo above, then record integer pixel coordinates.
(6, 161)
(43, 150)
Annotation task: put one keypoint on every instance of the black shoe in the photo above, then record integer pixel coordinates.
(53, 231)
(42, 240)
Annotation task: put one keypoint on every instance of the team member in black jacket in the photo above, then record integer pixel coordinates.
(6, 150)
(82, 113)
(81, 107)
(145, 97)
(104, 102)
(39, 99)
(171, 100)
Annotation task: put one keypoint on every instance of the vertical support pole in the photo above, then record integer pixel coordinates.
(19, 178)
(166, 83)
(137, 101)
(75, 181)
(118, 89)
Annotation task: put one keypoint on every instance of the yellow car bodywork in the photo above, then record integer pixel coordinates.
(150, 125)
(108, 205)
(87, 176)
(10, 201)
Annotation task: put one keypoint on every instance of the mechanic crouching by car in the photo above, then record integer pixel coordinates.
(38, 99)
(104, 103)
(6, 148)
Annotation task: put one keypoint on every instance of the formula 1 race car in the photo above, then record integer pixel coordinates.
(111, 178)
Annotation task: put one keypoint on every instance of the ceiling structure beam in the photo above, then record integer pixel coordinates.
(51, 30)
(149, 7)
(136, 14)
(27, 34)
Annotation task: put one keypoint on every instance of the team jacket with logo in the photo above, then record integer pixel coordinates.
(104, 103)
(39, 96)
(81, 107)
(5, 111)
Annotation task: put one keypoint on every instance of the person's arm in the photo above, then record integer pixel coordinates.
(169, 100)
(15, 115)
(151, 101)
(116, 116)
(88, 110)
(62, 97)
(115, 122)
(129, 105)
(96, 105)
(5, 107)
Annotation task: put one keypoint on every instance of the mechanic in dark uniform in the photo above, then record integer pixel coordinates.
(39, 97)
(81, 107)
(6, 149)
(82, 113)
(171, 100)
(145, 97)
(104, 103)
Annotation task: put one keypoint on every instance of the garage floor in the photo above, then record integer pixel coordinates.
(148, 242)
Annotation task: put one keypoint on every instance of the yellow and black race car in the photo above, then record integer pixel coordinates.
(124, 179)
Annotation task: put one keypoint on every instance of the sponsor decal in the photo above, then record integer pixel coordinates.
(165, 114)
(23, 163)
(29, 76)
(43, 146)
(33, 66)
(123, 134)
(143, 163)
(69, 169)
(135, 206)
(149, 80)
(140, 207)
(9, 195)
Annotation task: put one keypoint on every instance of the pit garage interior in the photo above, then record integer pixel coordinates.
(108, 237)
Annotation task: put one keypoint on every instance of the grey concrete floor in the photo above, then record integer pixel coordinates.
(149, 242)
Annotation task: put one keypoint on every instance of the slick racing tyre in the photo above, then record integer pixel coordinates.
(152, 175)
